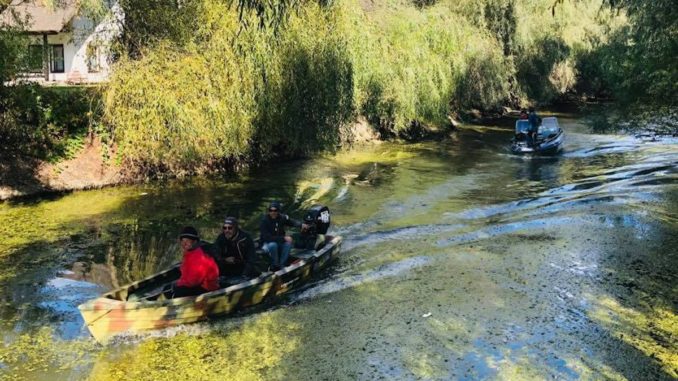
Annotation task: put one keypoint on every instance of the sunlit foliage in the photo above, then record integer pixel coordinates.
(232, 93)
(246, 353)
(638, 62)
(411, 63)
(197, 85)
(208, 90)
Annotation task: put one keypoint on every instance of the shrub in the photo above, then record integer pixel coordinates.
(42, 122)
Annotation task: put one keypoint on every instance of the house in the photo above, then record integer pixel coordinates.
(67, 44)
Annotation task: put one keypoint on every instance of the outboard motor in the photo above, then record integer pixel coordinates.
(319, 218)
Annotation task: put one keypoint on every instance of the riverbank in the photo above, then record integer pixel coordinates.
(23, 176)
(26, 176)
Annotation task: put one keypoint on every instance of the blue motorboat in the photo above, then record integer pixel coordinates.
(549, 138)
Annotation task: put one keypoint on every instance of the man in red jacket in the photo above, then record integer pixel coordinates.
(199, 272)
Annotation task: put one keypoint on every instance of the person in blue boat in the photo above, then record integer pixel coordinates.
(274, 240)
(535, 121)
(234, 250)
(523, 114)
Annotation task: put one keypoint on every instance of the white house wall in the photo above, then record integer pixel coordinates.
(75, 43)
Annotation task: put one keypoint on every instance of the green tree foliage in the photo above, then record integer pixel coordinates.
(537, 63)
(149, 22)
(649, 57)
(13, 49)
(211, 89)
(278, 94)
(42, 122)
(424, 3)
(637, 63)
(302, 111)
(501, 20)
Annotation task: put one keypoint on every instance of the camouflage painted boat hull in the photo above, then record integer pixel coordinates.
(113, 313)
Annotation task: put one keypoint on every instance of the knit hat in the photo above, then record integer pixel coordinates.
(231, 221)
(274, 205)
(189, 232)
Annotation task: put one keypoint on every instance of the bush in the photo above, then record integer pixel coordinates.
(42, 122)
(537, 65)
(180, 108)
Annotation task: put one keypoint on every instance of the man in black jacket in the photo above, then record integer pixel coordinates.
(535, 121)
(235, 252)
(273, 238)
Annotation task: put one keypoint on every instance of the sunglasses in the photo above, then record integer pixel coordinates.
(273, 210)
(228, 227)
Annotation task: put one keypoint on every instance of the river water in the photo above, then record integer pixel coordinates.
(460, 261)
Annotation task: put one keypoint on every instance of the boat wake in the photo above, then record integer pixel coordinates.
(344, 282)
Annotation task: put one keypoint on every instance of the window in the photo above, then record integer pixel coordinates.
(57, 61)
(34, 59)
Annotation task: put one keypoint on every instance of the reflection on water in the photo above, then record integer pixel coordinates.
(460, 261)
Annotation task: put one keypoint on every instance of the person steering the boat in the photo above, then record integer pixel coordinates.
(235, 254)
(535, 121)
(308, 238)
(199, 271)
(523, 114)
(274, 240)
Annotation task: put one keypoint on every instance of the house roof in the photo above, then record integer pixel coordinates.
(40, 18)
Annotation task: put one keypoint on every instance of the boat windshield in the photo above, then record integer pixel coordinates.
(549, 126)
(522, 126)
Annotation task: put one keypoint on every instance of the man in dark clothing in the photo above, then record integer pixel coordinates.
(535, 121)
(308, 238)
(273, 238)
(234, 250)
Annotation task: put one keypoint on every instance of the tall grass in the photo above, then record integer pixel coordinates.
(224, 93)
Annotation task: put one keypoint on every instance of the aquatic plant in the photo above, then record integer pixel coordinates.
(244, 353)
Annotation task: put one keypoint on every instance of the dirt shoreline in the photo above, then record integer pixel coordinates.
(26, 176)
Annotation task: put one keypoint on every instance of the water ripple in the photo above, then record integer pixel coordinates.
(341, 283)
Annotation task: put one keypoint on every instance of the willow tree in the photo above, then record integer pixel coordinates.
(639, 62)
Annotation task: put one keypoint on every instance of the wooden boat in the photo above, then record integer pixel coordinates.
(549, 137)
(130, 308)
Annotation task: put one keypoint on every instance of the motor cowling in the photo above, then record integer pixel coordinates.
(318, 216)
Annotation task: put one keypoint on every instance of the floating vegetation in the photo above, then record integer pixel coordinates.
(654, 332)
(249, 352)
(37, 355)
